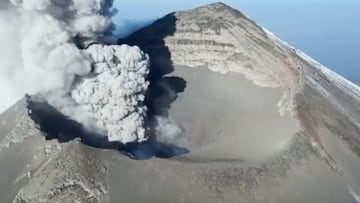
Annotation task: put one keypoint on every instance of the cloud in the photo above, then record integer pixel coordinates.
(9, 54)
(168, 131)
(115, 96)
(101, 87)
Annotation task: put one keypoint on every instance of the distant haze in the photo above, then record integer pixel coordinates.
(327, 30)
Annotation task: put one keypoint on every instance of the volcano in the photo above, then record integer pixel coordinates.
(248, 119)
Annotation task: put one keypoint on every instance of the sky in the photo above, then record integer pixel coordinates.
(327, 30)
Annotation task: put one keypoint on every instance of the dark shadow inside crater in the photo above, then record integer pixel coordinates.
(55, 125)
(163, 89)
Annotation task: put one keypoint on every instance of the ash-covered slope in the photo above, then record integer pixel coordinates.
(226, 41)
(263, 123)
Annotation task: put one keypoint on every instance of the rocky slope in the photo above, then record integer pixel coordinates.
(263, 123)
(225, 40)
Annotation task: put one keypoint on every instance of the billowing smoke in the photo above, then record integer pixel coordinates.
(115, 96)
(9, 53)
(48, 29)
(168, 131)
(103, 87)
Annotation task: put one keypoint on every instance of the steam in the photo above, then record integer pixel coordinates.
(9, 53)
(115, 96)
(102, 87)
(47, 32)
(354, 194)
(168, 131)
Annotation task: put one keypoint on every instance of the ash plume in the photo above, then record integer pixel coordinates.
(9, 53)
(102, 87)
(115, 96)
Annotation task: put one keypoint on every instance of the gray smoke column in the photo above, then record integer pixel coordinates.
(102, 87)
(115, 96)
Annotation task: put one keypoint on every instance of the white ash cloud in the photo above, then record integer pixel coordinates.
(101, 87)
(9, 54)
(114, 95)
(47, 47)
(168, 131)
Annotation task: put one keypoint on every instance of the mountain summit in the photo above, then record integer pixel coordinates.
(235, 115)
